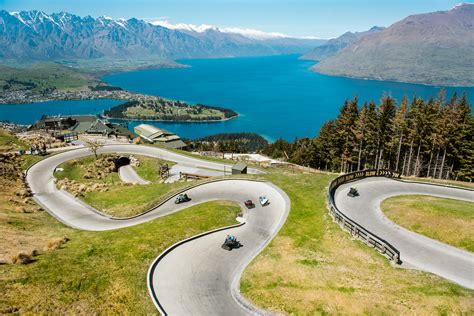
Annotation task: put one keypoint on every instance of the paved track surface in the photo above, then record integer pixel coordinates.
(128, 175)
(178, 168)
(198, 277)
(76, 214)
(209, 275)
(416, 251)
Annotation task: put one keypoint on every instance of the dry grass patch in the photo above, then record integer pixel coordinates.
(57, 243)
(20, 235)
(449, 221)
(335, 281)
(24, 257)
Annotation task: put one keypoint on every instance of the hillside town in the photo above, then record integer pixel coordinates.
(29, 96)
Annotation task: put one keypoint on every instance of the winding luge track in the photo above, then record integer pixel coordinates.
(198, 277)
(416, 251)
(128, 175)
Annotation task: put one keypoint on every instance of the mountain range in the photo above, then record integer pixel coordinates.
(35, 35)
(336, 44)
(433, 48)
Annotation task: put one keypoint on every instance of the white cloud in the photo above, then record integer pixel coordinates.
(249, 33)
(182, 26)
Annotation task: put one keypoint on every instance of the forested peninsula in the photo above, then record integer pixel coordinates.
(423, 138)
(159, 109)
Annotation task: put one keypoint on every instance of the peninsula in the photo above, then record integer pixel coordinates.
(152, 108)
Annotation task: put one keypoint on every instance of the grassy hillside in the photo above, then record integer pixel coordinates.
(100, 66)
(43, 77)
(101, 272)
(9, 142)
(446, 220)
(311, 267)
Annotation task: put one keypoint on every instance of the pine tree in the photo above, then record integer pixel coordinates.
(438, 133)
(305, 153)
(369, 153)
(451, 126)
(326, 147)
(385, 114)
(359, 133)
(433, 139)
(464, 142)
(345, 131)
(400, 130)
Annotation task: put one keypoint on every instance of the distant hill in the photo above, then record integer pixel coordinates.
(336, 44)
(35, 35)
(434, 48)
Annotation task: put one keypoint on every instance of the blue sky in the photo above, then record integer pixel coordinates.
(319, 18)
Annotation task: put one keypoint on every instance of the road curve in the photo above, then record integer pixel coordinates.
(416, 251)
(198, 277)
(128, 175)
(209, 275)
(75, 213)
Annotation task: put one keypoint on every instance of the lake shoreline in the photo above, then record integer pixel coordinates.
(169, 121)
(278, 96)
(433, 85)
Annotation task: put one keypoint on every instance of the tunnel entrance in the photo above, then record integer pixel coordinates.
(121, 161)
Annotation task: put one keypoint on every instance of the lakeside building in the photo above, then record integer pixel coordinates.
(58, 123)
(105, 128)
(68, 127)
(153, 134)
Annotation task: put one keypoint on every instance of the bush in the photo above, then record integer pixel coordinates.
(25, 258)
(57, 243)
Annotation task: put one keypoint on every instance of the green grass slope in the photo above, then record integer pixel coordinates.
(102, 272)
(449, 221)
(38, 77)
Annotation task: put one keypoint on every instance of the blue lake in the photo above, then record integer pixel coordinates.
(275, 96)
(30, 113)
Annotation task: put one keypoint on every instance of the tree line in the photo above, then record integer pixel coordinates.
(228, 142)
(432, 138)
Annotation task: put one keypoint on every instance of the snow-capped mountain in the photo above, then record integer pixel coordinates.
(36, 35)
(250, 33)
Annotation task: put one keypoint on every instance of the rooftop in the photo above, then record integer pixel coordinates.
(239, 166)
(151, 132)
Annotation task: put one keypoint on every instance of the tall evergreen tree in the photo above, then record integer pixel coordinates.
(359, 133)
(463, 158)
(326, 147)
(369, 153)
(400, 130)
(433, 139)
(385, 114)
(345, 131)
